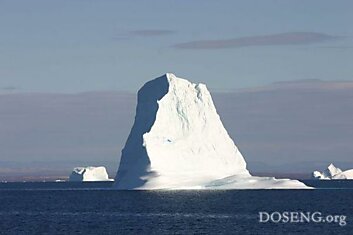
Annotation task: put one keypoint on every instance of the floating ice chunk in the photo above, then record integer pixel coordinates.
(333, 172)
(89, 173)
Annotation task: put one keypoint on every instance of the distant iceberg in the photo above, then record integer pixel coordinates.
(89, 173)
(333, 173)
(178, 141)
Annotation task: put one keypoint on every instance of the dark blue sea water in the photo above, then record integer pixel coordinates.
(64, 208)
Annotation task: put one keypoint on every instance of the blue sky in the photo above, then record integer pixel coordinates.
(76, 45)
(114, 47)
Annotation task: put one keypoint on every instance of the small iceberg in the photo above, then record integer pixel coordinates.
(333, 173)
(89, 173)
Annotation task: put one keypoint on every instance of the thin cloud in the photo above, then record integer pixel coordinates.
(303, 85)
(151, 32)
(338, 47)
(9, 88)
(143, 33)
(293, 38)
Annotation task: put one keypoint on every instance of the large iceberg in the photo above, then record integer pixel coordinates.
(89, 173)
(333, 173)
(178, 141)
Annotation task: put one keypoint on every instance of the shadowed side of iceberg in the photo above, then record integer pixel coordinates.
(134, 162)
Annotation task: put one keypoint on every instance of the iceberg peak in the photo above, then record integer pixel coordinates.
(170, 76)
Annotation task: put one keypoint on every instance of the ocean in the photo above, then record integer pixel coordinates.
(94, 208)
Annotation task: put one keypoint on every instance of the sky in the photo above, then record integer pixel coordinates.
(280, 73)
(76, 46)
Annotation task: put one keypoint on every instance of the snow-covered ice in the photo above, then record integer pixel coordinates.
(333, 173)
(89, 173)
(178, 141)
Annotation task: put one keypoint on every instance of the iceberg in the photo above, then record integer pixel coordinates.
(178, 141)
(333, 173)
(89, 173)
